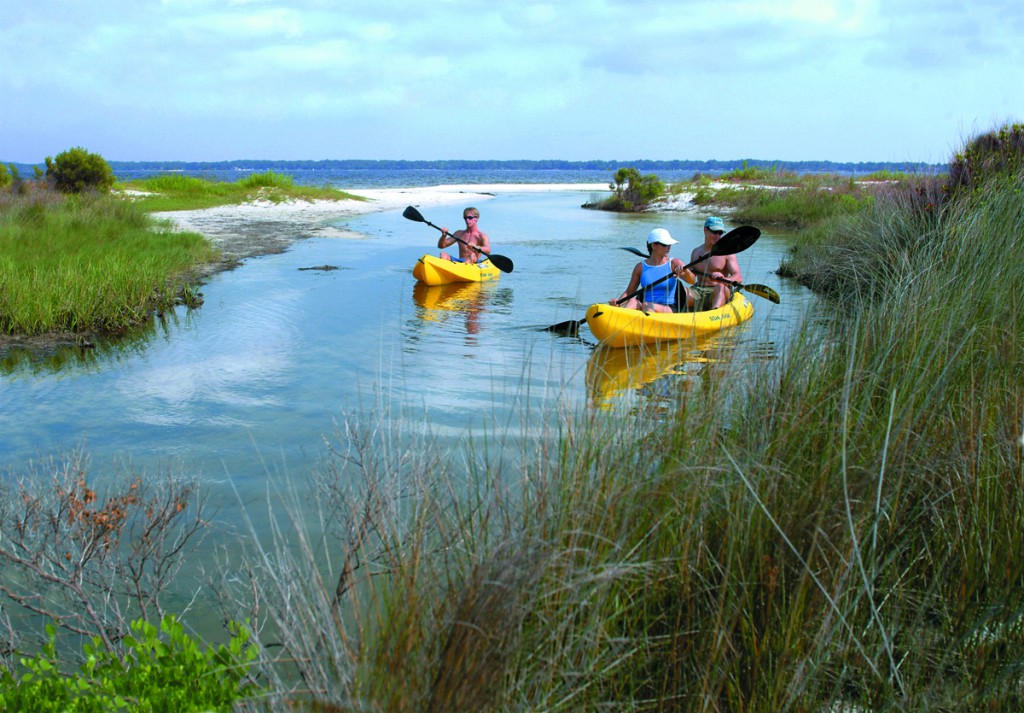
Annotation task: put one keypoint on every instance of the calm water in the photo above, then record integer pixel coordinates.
(254, 380)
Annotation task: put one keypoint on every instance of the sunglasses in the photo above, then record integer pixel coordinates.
(716, 232)
(470, 217)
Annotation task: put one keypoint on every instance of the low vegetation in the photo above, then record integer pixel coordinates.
(89, 264)
(162, 669)
(772, 196)
(175, 191)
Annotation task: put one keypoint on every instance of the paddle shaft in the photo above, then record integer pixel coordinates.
(499, 261)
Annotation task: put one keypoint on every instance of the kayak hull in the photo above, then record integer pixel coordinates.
(432, 270)
(620, 327)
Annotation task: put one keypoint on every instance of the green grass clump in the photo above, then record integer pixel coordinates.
(81, 264)
(176, 191)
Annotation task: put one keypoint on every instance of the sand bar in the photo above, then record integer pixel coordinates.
(262, 227)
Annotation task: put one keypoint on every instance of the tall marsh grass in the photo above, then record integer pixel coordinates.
(845, 535)
(87, 264)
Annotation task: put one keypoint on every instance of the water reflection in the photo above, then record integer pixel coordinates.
(437, 303)
(656, 373)
(85, 355)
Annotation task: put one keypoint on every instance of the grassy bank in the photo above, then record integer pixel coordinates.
(760, 196)
(179, 192)
(846, 535)
(99, 265)
(88, 264)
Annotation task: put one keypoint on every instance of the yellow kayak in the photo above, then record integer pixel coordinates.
(432, 270)
(619, 327)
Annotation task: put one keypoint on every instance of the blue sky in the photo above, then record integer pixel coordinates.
(210, 80)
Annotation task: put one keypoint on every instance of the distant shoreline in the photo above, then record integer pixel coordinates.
(538, 166)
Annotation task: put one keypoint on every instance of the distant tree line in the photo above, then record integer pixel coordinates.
(644, 166)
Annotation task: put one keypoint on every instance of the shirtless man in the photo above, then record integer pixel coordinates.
(705, 293)
(471, 235)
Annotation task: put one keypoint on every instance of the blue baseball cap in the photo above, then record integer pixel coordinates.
(714, 223)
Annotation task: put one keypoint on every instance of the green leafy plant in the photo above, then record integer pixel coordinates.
(164, 669)
(77, 171)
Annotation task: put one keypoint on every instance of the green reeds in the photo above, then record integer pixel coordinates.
(87, 265)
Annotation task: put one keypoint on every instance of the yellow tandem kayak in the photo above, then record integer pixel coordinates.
(432, 270)
(619, 327)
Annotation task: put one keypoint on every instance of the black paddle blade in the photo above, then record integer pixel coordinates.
(736, 240)
(501, 262)
(413, 214)
(570, 328)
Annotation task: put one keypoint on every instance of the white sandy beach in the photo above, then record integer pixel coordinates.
(262, 227)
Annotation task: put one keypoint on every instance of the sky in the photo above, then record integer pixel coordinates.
(785, 80)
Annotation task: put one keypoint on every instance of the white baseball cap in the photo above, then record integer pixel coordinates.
(660, 235)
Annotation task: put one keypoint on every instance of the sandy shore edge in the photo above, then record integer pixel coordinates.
(263, 227)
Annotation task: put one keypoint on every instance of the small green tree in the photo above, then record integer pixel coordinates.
(77, 170)
(634, 192)
(5, 176)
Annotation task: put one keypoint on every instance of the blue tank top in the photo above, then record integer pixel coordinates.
(665, 293)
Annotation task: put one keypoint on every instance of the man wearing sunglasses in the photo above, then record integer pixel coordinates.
(706, 293)
(471, 235)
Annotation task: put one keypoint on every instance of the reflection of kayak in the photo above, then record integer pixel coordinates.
(437, 303)
(456, 296)
(613, 370)
(432, 270)
(619, 327)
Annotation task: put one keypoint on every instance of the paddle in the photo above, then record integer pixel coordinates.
(735, 241)
(752, 287)
(499, 261)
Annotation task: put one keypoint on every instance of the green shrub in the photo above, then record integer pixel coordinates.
(634, 190)
(5, 176)
(164, 670)
(77, 171)
(999, 152)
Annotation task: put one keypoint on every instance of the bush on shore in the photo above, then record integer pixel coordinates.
(632, 192)
(77, 171)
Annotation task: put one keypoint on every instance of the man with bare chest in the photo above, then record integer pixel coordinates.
(706, 293)
(479, 245)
